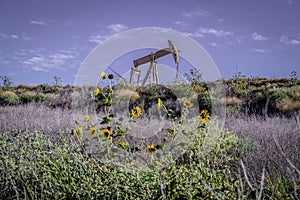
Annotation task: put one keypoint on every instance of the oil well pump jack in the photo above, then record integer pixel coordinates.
(152, 70)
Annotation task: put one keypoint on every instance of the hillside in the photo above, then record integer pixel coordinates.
(247, 95)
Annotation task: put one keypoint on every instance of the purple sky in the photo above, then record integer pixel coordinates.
(43, 38)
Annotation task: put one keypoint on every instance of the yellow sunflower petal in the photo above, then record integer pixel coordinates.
(204, 116)
(151, 148)
(103, 75)
(93, 131)
(106, 133)
(78, 131)
(188, 103)
(136, 111)
(159, 103)
(87, 118)
(97, 91)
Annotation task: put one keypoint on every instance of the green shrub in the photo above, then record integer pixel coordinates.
(9, 98)
(239, 86)
(285, 99)
(278, 94)
(42, 97)
(204, 101)
(28, 96)
(56, 88)
(33, 166)
(295, 93)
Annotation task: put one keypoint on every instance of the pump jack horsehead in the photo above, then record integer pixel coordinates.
(153, 67)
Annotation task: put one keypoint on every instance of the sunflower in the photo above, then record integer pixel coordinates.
(106, 133)
(123, 144)
(136, 111)
(204, 116)
(87, 118)
(78, 131)
(93, 131)
(129, 128)
(103, 75)
(97, 91)
(151, 148)
(188, 103)
(159, 103)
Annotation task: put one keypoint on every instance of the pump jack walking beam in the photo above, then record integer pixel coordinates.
(153, 66)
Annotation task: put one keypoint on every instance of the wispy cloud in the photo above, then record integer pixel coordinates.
(98, 38)
(256, 36)
(201, 32)
(294, 41)
(286, 40)
(34, 60)
(44, 62)
(179, 23)
(22, 36)
(13, 36)
(38, 22)
(259, 50)
(218, 33)
(195, 34)
(117, 27)
(213, 44)
(112, 29)
(199, 12)
(38, 69)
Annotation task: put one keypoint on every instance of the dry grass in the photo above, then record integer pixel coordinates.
(264, 133)
(38, 117)
(126, 94)
(35, 117)
(288, 104)
(231, 101)
(268, 154)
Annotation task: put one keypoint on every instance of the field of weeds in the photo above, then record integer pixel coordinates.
(52, 147)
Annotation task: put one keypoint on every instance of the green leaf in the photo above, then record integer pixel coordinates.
(120, 132)
(170, 131)
(28, 191)
(170, 112)
(105, 120)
